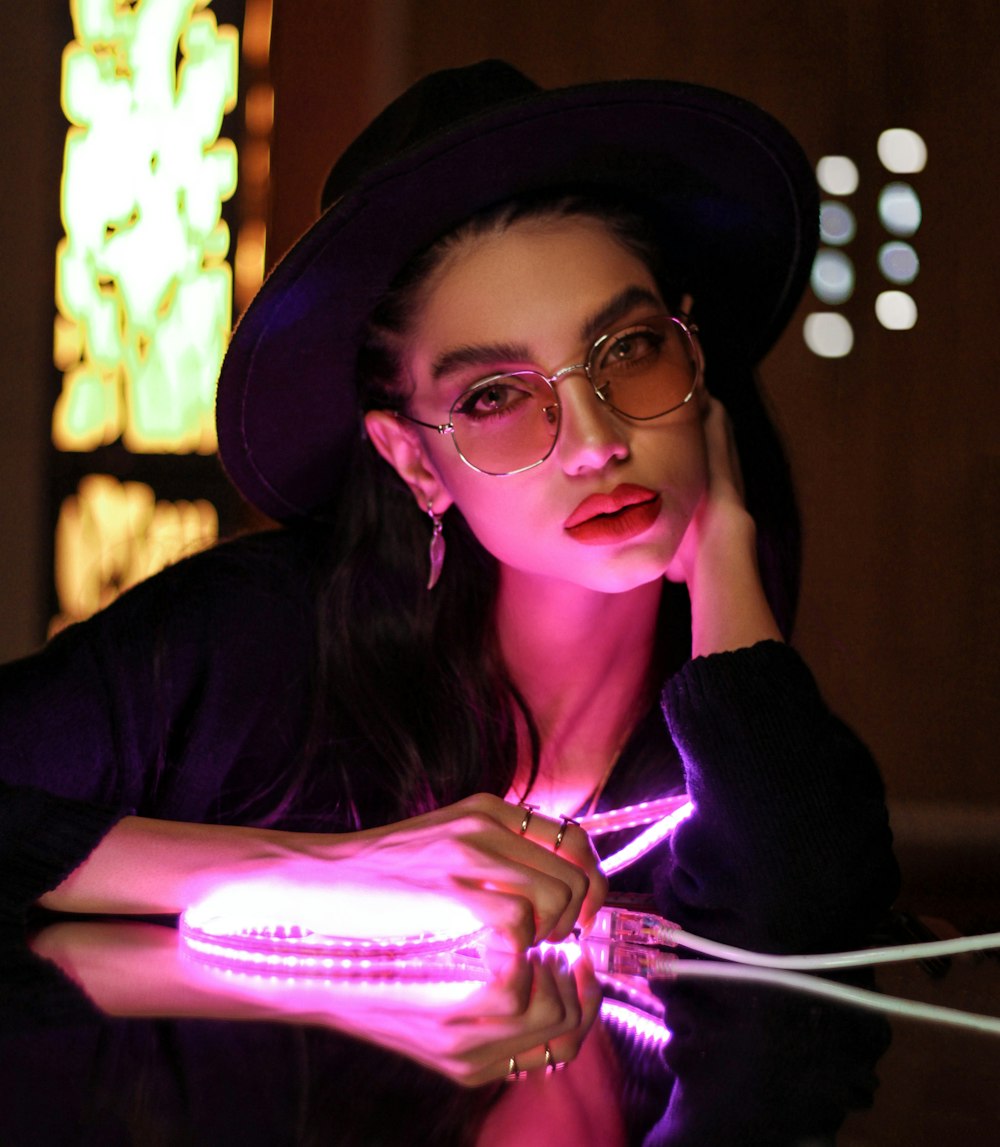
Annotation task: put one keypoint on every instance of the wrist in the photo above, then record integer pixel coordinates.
(729, 609)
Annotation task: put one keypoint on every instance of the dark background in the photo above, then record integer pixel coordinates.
(895, 448)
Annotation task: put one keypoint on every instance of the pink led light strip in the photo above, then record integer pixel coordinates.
(633, 815)
(648, 840)
(259, 946)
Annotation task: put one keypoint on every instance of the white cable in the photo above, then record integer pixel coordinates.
(830, 960)
(859, 997)
(634, 926)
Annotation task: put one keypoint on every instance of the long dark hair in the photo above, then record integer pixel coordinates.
(415, 708)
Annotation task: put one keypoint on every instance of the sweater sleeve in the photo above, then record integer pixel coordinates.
(42, 839)
(181, 701)
(60, 765)
(789, 847)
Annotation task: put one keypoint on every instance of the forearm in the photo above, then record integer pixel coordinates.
(729, 609)
(717, 557)
(155, 866)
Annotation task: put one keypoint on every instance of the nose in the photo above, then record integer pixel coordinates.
(590, 435)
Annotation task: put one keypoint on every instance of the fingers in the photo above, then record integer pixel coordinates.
(566, 838)
(527, 886)
(564, 1047)
(564, 1004)
(509, 906)
(562, 837)
(522, 890)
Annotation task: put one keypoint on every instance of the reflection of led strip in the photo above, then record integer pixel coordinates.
(442, 967)
(300, 952)
(641, 1025)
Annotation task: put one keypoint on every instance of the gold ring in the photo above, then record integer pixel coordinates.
(512, 1071)
(529, 811)
(566, 822)
(550, 1062)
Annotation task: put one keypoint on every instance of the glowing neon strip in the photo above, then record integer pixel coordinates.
(631, 816)
(646, 841)
(303, 945)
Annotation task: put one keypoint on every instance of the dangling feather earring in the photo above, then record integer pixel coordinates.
(437, 546)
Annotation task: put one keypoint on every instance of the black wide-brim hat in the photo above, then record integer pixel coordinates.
(728, 189)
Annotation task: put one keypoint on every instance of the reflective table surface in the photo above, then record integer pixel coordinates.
(110, 1033)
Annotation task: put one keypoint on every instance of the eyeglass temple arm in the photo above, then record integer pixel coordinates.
(441, 428)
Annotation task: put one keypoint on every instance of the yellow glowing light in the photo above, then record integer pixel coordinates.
(142, 285)
(113, 534)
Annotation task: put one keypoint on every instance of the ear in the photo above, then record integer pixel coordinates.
(400, 445)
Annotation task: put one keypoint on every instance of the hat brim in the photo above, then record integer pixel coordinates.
(734, 200)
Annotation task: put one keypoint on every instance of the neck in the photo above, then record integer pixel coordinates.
(583, 662)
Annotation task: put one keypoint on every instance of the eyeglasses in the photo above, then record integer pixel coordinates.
(508, 423)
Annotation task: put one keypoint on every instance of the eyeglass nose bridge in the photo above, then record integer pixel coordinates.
(574, 368)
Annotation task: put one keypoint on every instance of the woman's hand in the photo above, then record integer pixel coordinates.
(467, 1031)
(521, 885)
(717, 557)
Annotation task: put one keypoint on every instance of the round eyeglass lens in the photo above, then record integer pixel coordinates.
(647, 369)
(506, 423)
(509, 422)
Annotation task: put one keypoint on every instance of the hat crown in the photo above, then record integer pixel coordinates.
(427, 109)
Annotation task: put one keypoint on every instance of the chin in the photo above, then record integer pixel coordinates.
(621, 575)
(624, 584)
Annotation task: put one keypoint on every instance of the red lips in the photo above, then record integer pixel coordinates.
(601, 519)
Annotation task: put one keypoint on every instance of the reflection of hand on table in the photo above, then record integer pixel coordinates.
(467, 1031)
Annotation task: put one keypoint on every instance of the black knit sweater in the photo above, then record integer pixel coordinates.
(186, 697)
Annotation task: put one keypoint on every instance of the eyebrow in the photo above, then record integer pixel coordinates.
(489, 354)
(481, 354)
(617, 308)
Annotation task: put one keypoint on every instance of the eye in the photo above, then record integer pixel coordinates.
(639, 346)
(494, 398)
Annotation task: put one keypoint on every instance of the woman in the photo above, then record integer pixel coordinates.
(506, 284)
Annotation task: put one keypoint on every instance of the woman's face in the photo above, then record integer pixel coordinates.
(608, 508)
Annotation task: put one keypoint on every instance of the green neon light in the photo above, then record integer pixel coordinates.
(142, 282)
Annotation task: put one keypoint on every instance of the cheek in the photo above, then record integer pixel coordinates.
(683, 458)
(699, 471)
(483, 501)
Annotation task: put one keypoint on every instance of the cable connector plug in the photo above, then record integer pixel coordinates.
(627, 926)
(632, 960)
